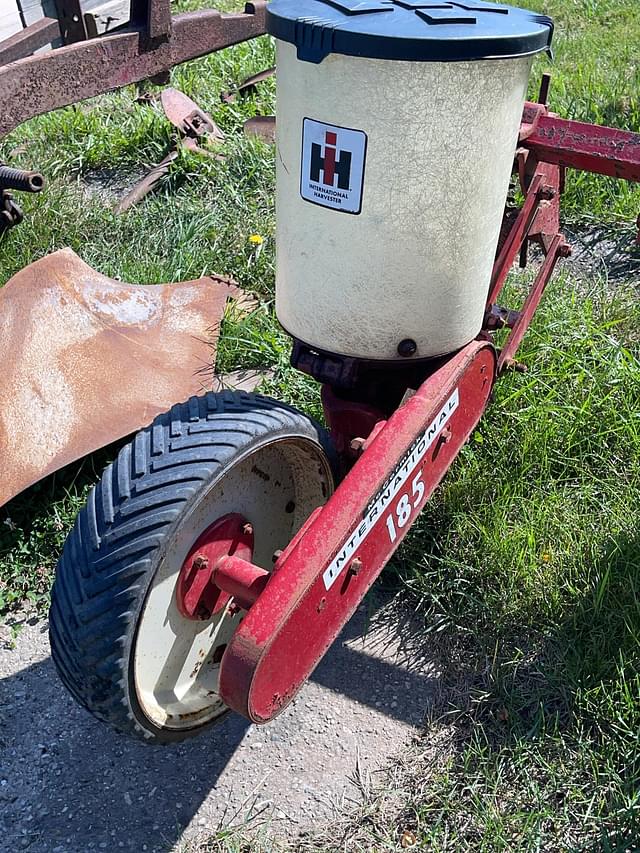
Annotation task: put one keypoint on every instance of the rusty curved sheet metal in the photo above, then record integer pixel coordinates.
(88, 360)
(262, 126)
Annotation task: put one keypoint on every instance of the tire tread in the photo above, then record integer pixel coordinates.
(110, 555)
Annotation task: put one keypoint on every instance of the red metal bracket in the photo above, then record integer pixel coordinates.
(557, 249)
(531, 116)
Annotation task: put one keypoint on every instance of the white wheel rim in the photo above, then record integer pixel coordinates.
(176, 661)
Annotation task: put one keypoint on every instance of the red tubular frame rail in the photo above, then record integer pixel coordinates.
(319, 580)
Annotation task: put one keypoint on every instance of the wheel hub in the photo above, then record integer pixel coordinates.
(198, 596)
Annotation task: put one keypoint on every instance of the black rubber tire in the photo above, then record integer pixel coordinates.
(111, 555)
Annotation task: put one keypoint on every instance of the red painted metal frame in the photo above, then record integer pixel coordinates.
(295, 613)
(318, 582)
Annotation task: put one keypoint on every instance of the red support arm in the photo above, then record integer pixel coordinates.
(588, 147)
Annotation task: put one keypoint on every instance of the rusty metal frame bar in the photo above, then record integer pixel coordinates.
(586, 147)
(31, 38)
(37, 84)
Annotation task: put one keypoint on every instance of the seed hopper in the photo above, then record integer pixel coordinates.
(231, 540)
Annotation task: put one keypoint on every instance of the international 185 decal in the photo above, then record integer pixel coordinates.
(333, 161)
(399, 499)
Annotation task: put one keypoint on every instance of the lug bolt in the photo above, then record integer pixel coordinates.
(248, 529)
(356, 444)
(200, 562)
(276, 555)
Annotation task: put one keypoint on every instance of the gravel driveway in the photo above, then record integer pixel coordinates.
(68, 784)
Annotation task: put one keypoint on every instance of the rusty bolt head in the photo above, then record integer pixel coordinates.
(248, 529)
(321, 605)
(445, 435)
(355, 566)
(356, 444)
(233, 609)
(200, 562)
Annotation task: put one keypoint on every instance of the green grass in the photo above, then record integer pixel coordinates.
(596, 78)
(526, 563)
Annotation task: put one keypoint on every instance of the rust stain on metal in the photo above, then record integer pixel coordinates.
(69, 74)
(262, 126)
(193, 124)
(248, 86)
(187, 116)
(88, 360)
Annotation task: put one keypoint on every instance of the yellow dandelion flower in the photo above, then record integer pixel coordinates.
(256, 239)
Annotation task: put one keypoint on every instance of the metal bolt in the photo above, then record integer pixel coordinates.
(356, 565)
(276, 555)
(248, 529)
(200, 562)
(407, 348)
(233, 609)
(445, 435)
(356, 444)
(321, 605)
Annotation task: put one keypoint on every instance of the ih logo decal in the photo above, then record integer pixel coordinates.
(328, 165)
(333, 160)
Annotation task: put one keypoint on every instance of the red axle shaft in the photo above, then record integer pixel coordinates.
(239, 579)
